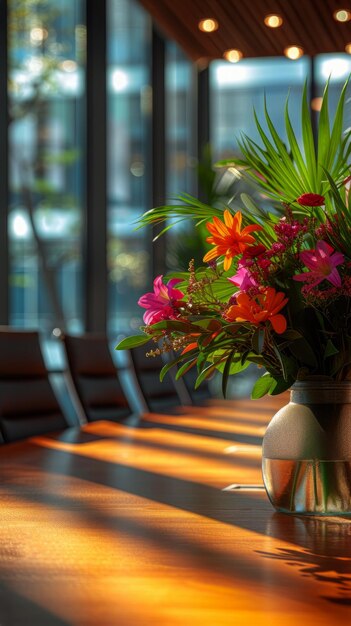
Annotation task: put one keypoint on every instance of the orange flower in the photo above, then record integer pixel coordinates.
(259, 309)
(228, 239)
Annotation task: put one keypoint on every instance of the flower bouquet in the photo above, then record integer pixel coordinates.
(275, 286)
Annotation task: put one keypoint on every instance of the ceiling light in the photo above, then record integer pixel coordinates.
(342, 15)
(273, 21)
(233, 55)
(293, 52)
(348, 48)
(208, 25)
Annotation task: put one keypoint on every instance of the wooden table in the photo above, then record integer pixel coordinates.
(119, 526)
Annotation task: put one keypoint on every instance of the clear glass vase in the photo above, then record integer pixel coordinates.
(306, 455)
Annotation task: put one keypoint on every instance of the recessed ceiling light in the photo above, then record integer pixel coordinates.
(293, 52)
(273, 21)
(348, 48)
(233, 55)
(342, 15)
(208, 25)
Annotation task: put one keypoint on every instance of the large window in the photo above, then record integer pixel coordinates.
(47, 139)
(180, 141)
(238, 89)
(129, 167)
(46, 122)
(336, 69)
(180, 122)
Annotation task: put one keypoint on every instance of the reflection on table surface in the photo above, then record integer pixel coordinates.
(162, 523)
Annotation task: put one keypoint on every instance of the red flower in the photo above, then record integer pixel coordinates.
(311, 199)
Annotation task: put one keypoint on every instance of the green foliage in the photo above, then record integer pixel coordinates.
(132, 342)
(311, 333)
(286, 172)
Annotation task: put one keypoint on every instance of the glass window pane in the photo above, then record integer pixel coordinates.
(129, 118)
(337, 68)
(180, 132)
(46, 137)
(181, 175)
(237, 89)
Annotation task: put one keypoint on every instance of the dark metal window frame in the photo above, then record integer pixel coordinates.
(4, 195)
(95, 235)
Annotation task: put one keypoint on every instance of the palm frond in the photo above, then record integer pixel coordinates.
(190, 209)
(285, 172)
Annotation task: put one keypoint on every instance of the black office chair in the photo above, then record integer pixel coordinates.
(95, 377)
(28, 405)
(159, 396)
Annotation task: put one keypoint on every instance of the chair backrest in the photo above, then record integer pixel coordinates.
(95, 377)
(200, 395)
(158, 396)
(28, 405)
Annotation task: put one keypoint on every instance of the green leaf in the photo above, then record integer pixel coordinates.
(308, 140)
(209, 324)
(302, 350)
(133, 342)
(178, 359)
(175, 325)
(283, 361)
(330, 349)
(258, 340)
(226, 372)
(252, 207)
(336, 133)
(185, 368)
(295, 150)
(262, 386)
(323, 133)
(291, 334)
(236, 365)
(210, 369)
(280, 386)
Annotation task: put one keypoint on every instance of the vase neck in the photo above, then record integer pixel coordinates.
(321, 392)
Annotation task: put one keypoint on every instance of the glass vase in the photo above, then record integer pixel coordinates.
(306, 454)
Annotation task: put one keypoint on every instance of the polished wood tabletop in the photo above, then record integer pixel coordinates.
(162, 523)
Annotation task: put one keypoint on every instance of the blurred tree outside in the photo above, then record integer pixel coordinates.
(45, 52)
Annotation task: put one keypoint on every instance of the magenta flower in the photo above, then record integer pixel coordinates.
(243, 279)
(322, 263)
(162, 303)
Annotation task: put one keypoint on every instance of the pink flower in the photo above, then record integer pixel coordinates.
(311, 199)
(162, 303)
(243, 279)
(322, 263)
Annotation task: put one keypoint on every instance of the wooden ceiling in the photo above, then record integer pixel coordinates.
(306, 23)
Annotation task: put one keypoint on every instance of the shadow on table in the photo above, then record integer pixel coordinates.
(322, 546)
(324, 554)
(17, 610)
